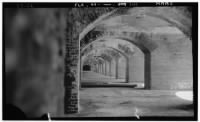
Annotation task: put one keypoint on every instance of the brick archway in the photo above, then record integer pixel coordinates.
(146, 47)
(183, 21)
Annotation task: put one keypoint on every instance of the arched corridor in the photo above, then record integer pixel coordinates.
(145, 39)
(117, 65)
(134, 61)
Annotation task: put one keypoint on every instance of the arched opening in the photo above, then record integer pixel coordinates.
(168, 14)
(138, 74)
(109, 67)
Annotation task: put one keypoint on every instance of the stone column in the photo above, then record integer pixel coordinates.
(105, 68)
(147, 71)
(98, 68)
(116, 69)
(110, 73)
(127, 70)
(80, 68)
(71, 98)
(101, 68)
(95, 67)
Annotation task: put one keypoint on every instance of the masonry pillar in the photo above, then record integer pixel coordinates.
(92, 67)
(72, 64)
(80, 73)
(116, 69)
(110, 74)
(102, 68)
(127, 70)
(98, 68)
(71, 83)
(95, 67)
(105, 68)
(147, 73)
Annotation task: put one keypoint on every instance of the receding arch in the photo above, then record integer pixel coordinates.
(89, 56)
(173, 15)
(108, 47)
(143, 48)
(120, 52)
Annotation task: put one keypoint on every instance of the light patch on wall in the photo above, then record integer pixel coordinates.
(186, 95)
(166, 30)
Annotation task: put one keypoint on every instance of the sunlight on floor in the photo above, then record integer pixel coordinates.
(186, 95)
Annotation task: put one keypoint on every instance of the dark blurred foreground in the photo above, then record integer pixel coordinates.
(34, 61)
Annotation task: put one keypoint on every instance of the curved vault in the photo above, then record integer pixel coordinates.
(117, 44)
(107, 53)
(178, 17)
(137, 25)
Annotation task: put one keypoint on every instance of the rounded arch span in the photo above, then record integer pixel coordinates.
(92, 57)
(108, 47)
(168, 14)
(137, 43)
(93, 24)
(89, 54)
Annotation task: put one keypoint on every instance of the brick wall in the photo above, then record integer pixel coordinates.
(136, 66)
(171, 63)
(71, 78)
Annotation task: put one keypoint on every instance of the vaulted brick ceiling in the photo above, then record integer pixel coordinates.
(136, 20)
(120, 45)
(164, 20)
(146, 24)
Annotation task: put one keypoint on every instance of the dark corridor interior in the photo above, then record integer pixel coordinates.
(86, 68)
